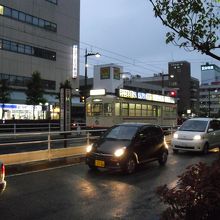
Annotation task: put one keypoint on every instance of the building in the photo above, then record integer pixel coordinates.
(210, 90)
(209, 73)
(179, 83)
(38, 35)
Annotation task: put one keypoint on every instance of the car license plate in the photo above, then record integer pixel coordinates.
(99, 163)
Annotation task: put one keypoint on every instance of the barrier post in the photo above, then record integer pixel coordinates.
(49, 147)
(87, 138)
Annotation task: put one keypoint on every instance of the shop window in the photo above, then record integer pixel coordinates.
(131, 109)
(124, 109)
(144, 110)
(117, 109)
(138, 110)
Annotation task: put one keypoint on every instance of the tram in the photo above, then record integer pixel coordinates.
(103, 111)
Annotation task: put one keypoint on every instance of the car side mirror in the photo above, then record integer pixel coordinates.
(210, 130)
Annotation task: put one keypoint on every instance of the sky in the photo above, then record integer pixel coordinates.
(126, 32)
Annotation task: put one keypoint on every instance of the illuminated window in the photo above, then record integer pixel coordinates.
(97, 109)
(117, 109)
(144, 110)
(131, 109)
(138, 110)
(1, 10)
(124, 109)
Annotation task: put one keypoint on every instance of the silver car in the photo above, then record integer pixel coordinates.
(2, 177)
(197, 134)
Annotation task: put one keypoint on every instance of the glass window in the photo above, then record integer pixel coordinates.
(41, 23)
(131, 109)
(117, 109)
(1, 9)
(138, 110)
(124, 109)
(7, 11)
(122, 132)
(35, 21)
(155, 111)
(149, 110)
(88, 109)
(14, 47)
(21, 16)
(144, 110)
(29, 19)
(6, 45)
(28, 49)
(14, 14)
(97, 109)
(107, 109)
(193, 125)
(21, 48)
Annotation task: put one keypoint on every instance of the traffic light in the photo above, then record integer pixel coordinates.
(82, 98)
(173, 93)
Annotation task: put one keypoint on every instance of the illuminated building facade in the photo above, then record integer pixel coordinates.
(43, 36)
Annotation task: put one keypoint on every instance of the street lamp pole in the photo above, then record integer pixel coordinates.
(86, 64)
(209, 104)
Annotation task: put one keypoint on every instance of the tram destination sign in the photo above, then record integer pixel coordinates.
(125, 93)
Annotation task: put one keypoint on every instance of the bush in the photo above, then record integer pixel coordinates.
(196, 194)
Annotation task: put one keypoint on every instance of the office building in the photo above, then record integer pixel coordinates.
(38, 35)
(210, 91)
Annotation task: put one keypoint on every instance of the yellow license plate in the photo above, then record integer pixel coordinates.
(99, 163)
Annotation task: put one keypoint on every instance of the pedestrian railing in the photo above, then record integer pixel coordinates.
(25, 147)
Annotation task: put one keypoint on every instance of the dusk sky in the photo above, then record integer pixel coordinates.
(126, 32)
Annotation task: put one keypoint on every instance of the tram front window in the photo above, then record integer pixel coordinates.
(97, 109)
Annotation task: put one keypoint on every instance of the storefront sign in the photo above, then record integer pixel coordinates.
(124, 93)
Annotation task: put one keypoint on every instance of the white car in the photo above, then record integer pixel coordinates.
(197, 134)
(2, 177)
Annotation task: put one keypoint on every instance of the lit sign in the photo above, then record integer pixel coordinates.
(1, 10)
(97, 92)
(127, 94)
(75, 56)
(207, 67)
(124, 93)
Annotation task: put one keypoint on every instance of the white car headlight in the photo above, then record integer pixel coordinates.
(197, 137)
(119, 152)
(89, 148)
(175, 136)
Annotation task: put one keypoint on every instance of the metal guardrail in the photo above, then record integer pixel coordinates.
(85, 137)
(23, 127)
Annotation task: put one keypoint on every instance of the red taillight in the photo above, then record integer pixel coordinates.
(3, 171)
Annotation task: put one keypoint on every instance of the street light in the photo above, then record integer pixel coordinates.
(162, 81)
(86, 64)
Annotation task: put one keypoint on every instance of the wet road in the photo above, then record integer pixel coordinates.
(74, 192)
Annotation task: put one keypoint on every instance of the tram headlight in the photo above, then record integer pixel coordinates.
(119, 152)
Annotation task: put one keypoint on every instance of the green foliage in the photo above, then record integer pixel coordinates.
(194, 24)
(35, 90)
(196, 195)
(4, 93)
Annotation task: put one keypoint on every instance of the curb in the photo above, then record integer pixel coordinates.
(41, 165)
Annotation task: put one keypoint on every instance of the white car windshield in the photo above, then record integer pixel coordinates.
(122, 132)
(194, 125)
